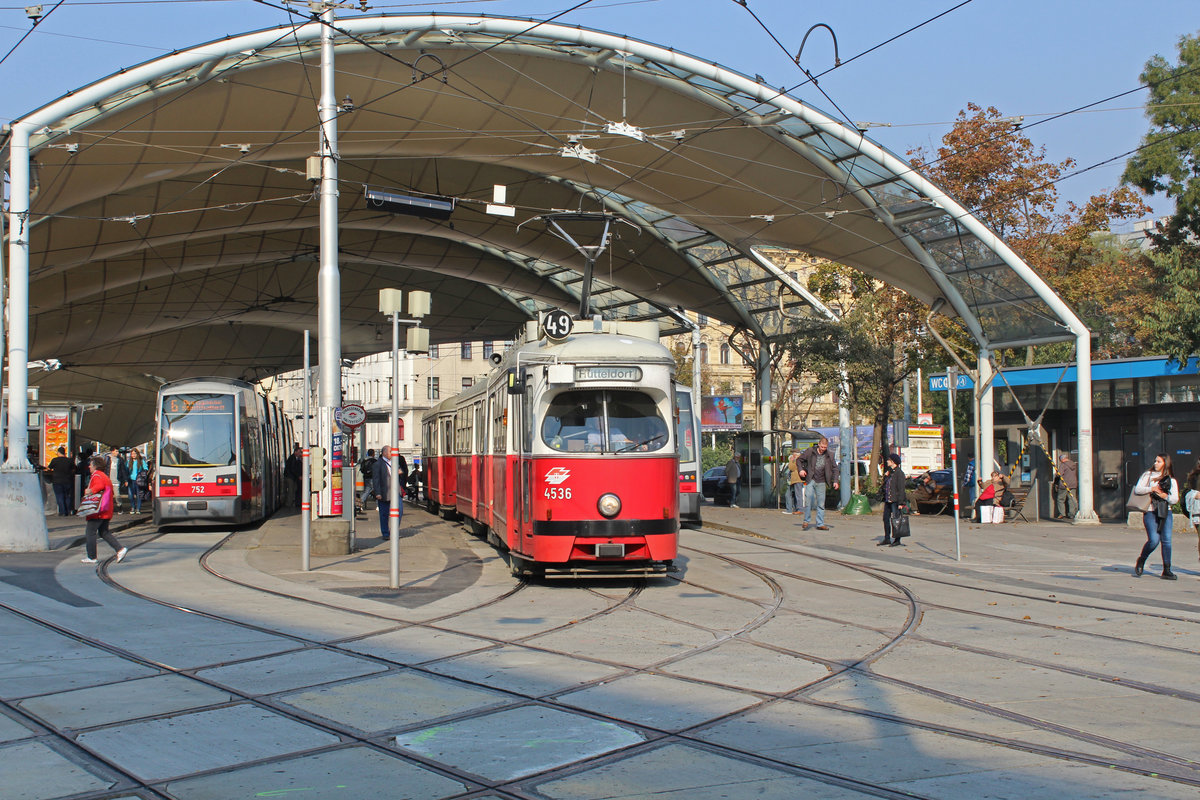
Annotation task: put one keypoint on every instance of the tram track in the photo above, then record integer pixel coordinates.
(1152, 761)
(1191, 776)
(653, 736)
(900, 594)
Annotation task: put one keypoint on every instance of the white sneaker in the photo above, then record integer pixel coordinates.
(734, 505)
(787, 513)
(86, 560)
(124, 551)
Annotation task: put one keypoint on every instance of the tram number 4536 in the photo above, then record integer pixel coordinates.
(558, 493)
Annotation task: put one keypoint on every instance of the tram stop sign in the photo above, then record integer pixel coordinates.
(350, 416)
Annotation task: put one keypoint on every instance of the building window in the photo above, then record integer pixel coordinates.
(433, 351)
(435, 392)
(466, 351)
(488, 349)
(724, 353)
(466, 384)
(406, 391)
(748, 391)
(702, 320)
(703, 353)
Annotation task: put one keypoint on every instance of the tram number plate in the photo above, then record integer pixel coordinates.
(610, 551)
(558, 493)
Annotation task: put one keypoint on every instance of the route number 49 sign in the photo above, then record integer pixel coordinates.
(557, 324)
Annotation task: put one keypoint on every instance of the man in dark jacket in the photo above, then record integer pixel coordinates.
(733, 477)
(293, 475)
(819, 469)
(124, 481)
(381, 479)
(1066, 505)
(62, 478)
(367, 469)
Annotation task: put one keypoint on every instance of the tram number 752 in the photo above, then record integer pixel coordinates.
(557, 493)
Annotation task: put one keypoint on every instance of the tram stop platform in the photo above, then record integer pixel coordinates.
(777, 662)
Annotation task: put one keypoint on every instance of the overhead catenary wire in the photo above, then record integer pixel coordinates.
(37, 21)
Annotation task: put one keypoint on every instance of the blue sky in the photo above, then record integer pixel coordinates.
(1025, 57)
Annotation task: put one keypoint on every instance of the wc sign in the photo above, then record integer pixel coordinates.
(938, 383)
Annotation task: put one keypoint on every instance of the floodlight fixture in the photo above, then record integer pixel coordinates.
(412, 205)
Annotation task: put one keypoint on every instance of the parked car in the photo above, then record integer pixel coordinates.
(932, 492)
(714, 487)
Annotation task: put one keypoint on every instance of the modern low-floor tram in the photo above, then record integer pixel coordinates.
(221, 449)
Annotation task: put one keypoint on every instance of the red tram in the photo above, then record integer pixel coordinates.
(566, 455)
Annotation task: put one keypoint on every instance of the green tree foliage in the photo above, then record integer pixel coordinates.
(990, 166)
(1174, 320)
(1169, 160)
(1169, 163)
(714, 457)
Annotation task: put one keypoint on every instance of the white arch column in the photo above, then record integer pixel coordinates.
(1083, 420)
(985, 455)
(22, 514)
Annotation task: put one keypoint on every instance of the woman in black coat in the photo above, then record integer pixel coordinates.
(894, 500)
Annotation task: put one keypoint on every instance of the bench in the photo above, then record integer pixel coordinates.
(1017, 509)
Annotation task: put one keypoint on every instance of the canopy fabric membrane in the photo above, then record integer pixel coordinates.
(173, 230)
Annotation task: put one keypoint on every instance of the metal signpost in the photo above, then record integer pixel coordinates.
(305, 472)
(952, 378)
(349, 418)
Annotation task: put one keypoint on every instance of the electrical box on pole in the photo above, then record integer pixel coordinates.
(317, 460)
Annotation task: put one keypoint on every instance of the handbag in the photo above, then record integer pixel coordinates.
(89, 504)
(106, 501)
(1137, 502)
(900, 525)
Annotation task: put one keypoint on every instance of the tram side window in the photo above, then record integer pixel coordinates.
(499, 426)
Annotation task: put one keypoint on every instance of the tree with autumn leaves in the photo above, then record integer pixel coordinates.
(990, 166)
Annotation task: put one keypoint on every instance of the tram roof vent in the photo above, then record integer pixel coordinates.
(644, 329)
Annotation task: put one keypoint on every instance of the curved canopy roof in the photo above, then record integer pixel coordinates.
(173, 230)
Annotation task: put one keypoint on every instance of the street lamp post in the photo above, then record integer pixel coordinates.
(391, 302)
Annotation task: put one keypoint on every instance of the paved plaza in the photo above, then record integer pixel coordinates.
(775, 663)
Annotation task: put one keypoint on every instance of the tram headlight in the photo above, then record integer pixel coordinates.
(609, 505)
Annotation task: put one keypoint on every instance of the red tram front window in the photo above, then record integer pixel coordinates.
(583, 421)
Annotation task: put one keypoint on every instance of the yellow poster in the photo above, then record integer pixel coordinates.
(55, 434)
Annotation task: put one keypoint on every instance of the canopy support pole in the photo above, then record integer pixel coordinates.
(21, 507)
(1083, 405)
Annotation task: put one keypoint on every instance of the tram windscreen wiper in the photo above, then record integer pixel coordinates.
(642, 443)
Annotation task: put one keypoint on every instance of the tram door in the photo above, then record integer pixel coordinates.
(519, 479)
(480, 450)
